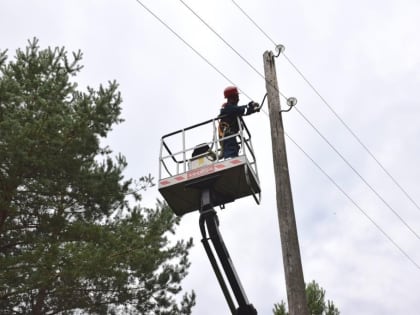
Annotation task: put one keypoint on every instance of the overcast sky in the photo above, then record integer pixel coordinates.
(361, 56)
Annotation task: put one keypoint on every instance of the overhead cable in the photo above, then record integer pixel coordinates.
(307, 155)
(186, 43)
(253, 22)
(307, 120)
(356, 204)
(227, 43)
(358, 174)
(402, 189)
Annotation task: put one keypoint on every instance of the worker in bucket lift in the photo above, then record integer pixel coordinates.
(228, 124)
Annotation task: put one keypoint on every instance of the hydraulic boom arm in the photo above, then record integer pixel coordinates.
(209, 219)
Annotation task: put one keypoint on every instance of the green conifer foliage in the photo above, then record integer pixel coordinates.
(315, 296)
(73, 236)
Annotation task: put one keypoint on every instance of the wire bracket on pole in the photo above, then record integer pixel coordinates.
(279, 49)
(262, 103)
(291, 101)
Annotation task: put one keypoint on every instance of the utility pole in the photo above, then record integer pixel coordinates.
(295, 284)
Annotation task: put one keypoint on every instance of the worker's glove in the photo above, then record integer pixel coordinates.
(253, 107)
(256, 107)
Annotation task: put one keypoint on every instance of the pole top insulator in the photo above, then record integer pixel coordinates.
(279, 49)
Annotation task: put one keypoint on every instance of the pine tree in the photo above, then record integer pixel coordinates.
(315, 296)
(74, 238)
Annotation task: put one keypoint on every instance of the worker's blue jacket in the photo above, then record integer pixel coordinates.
(232, 111)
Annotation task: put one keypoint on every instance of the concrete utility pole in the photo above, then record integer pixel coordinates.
(295, 284)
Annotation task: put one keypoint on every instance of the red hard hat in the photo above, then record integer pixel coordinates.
(230, 91)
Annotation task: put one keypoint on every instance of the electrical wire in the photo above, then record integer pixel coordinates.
(221, 38)
(402, 189)
(186, 43)
(355, 203)
(253, 22)
(307, 120)
(387, 236)
(306, 154)
(229, 45)
(358, 174)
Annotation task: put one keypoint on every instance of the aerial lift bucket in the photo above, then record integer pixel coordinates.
(194, 177)
(184, 165)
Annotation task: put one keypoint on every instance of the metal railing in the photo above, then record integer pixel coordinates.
(177, 147)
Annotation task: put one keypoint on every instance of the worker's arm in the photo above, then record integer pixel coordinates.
(233, 110)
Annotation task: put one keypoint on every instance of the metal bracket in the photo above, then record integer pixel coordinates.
(291, 101)
(279, 49)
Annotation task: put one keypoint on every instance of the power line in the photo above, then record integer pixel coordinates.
(186, 43)
(331, 179)
(387, 236)
(402, 189)
(221, 38)
(253, 22)
(226, 43)
(355, 203)
(358, 174)
(307, 120)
